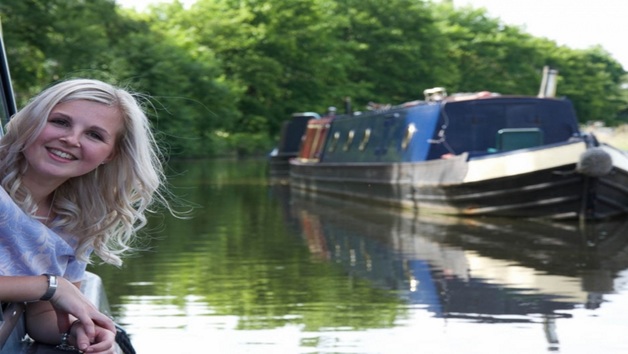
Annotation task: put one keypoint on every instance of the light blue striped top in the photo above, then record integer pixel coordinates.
(28, 247)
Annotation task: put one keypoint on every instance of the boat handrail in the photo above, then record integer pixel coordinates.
(7, 100)
(9, 318)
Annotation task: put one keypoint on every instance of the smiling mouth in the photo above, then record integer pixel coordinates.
(62, 154)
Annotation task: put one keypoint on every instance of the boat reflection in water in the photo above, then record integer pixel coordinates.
(478, 269)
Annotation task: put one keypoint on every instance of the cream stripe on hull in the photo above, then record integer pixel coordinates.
(620, 158)
(525, 162)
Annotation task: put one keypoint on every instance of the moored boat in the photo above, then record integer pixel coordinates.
(290, 140)
(467, 154)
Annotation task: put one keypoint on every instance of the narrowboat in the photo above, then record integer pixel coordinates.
(290, 141)
(467, 154)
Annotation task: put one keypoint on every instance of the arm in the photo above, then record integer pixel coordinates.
(40, 322)
(46, 319)
(22, 288)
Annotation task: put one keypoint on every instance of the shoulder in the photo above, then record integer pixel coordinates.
(4, 197)
(11, 215)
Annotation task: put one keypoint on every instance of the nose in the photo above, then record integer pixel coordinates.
(71, 139)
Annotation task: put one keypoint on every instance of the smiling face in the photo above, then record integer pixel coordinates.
(78, 136)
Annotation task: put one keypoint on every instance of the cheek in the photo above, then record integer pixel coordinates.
(29, 154)
(101, 154)
(35, 147)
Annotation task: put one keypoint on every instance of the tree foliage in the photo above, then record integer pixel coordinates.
(223, 75)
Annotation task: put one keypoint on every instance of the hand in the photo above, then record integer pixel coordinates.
(104, 341)
(68, 300)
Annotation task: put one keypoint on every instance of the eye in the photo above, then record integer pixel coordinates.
(62, 122)
(96, 135)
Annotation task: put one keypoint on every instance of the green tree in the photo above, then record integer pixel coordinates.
(490, 55)
(48, 40)
(224, 74)
(58, 39)
(190, 100)
(592, 80)
(284, 54)
(397, 47)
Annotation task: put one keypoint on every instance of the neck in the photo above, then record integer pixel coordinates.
(43, 196)
(40, 192)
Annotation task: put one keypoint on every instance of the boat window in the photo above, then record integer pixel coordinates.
(334, 142)
(518, 138)
(408, 137)
(365, 139)
(350, 137)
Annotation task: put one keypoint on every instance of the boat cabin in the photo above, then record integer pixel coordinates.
(428, 130)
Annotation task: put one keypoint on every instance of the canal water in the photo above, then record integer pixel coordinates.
(259, 268)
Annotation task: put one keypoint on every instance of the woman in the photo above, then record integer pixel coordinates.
(79, 168)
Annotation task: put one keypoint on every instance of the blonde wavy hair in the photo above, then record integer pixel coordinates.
(106, 207)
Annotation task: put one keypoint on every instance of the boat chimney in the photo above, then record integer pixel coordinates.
(348, 105)
(435, 94)
(548, 82)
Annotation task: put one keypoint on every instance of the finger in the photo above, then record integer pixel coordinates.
(68, 298)
(82, 339)
(88, 326)
(101, 348)
(105, 322)
(105, 342)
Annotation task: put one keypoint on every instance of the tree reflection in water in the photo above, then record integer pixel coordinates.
(262, 268)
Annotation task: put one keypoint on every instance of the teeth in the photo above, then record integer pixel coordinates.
(63, 155)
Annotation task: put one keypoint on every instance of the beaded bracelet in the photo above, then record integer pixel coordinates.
(65, 345)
